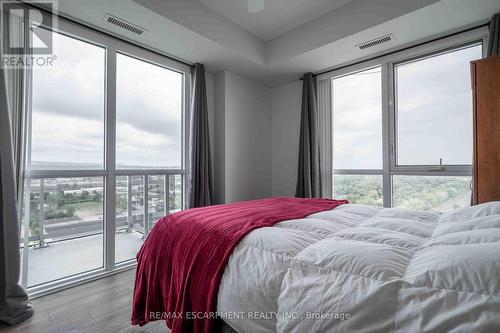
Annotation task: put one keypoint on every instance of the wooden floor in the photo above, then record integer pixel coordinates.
(100, 306)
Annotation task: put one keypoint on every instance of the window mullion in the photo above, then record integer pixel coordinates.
(146, 205)
(357, 172)
(387, 138)
(27, 107)
(110, 153)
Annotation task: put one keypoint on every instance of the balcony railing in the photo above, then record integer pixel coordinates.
(65, 208)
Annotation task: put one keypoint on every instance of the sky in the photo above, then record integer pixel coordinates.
(434, 103)
(357, 120)
(69, 104)
(433, 111)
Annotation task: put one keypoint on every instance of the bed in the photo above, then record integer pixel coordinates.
(358, 268)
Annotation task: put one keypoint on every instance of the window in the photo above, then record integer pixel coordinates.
(149, 118)
(439, 193)
(361, 189)
(148, 115)
(105, 156)
(357, 136)
(433, 109)
(357, 120)
(402, 127)
(68, 108)
(67, 133)
(65, 227)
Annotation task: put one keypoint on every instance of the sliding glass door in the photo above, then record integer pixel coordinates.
(105, 155)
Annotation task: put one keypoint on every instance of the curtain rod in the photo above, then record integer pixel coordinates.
(401, 49)
(103, 32)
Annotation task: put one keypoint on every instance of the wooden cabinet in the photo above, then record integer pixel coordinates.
(486, 103)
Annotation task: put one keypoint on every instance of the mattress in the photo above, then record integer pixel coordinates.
(361, 268)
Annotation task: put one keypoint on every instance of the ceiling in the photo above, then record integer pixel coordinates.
(277, 17)
(280, 43)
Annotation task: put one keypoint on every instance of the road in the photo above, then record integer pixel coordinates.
(73, 226)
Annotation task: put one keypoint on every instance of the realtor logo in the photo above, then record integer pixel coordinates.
(27, 33)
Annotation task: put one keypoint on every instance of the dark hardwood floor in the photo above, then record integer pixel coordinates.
(100, 306)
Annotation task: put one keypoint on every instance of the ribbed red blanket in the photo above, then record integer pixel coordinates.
(181, 263)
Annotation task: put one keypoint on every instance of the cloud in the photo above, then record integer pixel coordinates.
(66, 139)
(138, 148)
(434, 109)
(69, 108)
(434, 113)
(357, 107)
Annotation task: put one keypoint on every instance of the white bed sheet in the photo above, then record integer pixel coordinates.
(389, 270)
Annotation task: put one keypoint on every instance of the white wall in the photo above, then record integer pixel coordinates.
(243, 159)
(219, 137)
(254, 138)
(285, 109)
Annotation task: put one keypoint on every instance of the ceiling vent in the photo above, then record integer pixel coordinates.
(376, 41)
(124, 24)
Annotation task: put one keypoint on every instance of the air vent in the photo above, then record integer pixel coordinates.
(376, 41)
(124, 24)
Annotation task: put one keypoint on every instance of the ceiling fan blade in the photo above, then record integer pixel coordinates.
(255, 6)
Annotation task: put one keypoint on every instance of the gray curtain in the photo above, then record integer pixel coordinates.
(14, 305)
(309, 170)
(201, 191)
(16, 78)
(494, 37)
(325, 134)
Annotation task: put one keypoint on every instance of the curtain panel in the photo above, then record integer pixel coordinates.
(14, 305)
(309, 168)
(201, 188)
(494, 37)
(325, 133)
(15, 78)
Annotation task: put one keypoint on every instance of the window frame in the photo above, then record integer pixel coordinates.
(387, 63)
(112, 46)
(447, 169)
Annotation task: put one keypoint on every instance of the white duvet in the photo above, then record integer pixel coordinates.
(359, 268)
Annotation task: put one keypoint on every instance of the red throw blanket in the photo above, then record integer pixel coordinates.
(181, 263)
